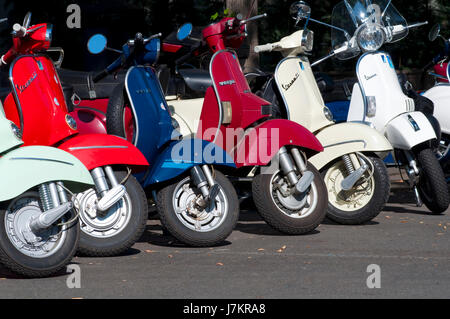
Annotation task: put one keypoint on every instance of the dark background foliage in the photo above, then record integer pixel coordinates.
(120, 20)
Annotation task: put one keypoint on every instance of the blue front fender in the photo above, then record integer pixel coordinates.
(181, 156)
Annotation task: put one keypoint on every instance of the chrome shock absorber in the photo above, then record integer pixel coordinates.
(202, 178)
(348, 164)
(46, 199)
(354, 171)
(55, 207)
(100, 181)
(108, 197)
(299, 185)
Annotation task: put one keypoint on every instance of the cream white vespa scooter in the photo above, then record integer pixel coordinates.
(440, 95)
(352, 163)
(364, 26)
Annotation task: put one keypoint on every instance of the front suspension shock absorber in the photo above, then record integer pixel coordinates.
(348, 164)
(100, 181)
(46, 199)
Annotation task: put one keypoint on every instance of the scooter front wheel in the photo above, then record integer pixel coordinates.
(180, 215)
(114, 231)
(34, 255)
(294, 214)
(364, 201)
(432, 185)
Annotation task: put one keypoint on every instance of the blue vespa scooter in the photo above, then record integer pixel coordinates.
(196, 203)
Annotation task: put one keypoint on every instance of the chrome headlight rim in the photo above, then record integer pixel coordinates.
(71, 122)
(49, 33)
(328, 114)
(307, 42)
(16, 131)
(365, 46)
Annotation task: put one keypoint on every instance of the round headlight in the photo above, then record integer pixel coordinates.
(328, 114)
(371, 37)
(308, 40)
(16, 131)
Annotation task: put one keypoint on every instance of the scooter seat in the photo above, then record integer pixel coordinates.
(80, 81)
(196, 80)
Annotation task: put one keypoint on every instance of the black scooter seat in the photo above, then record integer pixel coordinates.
(84, 87)
(196, 79)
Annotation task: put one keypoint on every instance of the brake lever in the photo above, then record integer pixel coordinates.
(158, 35)
(264, 15)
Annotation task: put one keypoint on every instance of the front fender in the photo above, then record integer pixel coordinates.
(27, 167)
(97, 150)
(408, 130)
(180, 156)
(345, 138)
(263, 142)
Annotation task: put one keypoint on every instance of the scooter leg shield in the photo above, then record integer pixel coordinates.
(27, 167)
(345, 138)
(408, 130)
(181, 156)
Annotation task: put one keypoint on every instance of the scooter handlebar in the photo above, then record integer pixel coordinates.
(260, 16)
(263, 48)
(19, 31)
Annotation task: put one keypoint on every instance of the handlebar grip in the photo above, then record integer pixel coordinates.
(100, 75)
(8, 57)
(19, 31)
(264, 48)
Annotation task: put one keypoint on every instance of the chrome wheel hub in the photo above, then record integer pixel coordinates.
(353, 199)
(102, 224)
(188, 205)
(17, 220)
(293, 204)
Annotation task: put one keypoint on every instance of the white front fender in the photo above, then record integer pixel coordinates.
(408, 130)
(347, 138)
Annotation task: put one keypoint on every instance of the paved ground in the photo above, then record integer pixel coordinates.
(411, 247)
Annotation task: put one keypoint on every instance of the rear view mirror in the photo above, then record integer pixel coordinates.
(184, 31)
(434, 32)
(27, 20)
(300, 10)
(97, 44)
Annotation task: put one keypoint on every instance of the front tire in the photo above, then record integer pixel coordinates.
(48, 256)
(205, 229)
(122, 225)
(432, 184)
(270, 205)
(364, 201)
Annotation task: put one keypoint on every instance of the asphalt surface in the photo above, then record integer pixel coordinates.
(410, 246)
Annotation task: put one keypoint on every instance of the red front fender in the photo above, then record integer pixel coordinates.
(97, 150)
(264, 141)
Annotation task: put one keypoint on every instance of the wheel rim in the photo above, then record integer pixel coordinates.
(207, 220)
(305, 203)
(128, 124)
(103, 224)
(17, 217)
(352, 200)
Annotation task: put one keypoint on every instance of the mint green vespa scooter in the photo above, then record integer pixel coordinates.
(39, 228)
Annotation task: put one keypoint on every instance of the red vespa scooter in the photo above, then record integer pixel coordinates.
(290, 194)
(113, 216)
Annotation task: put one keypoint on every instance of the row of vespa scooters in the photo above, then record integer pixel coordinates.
(93, 161)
